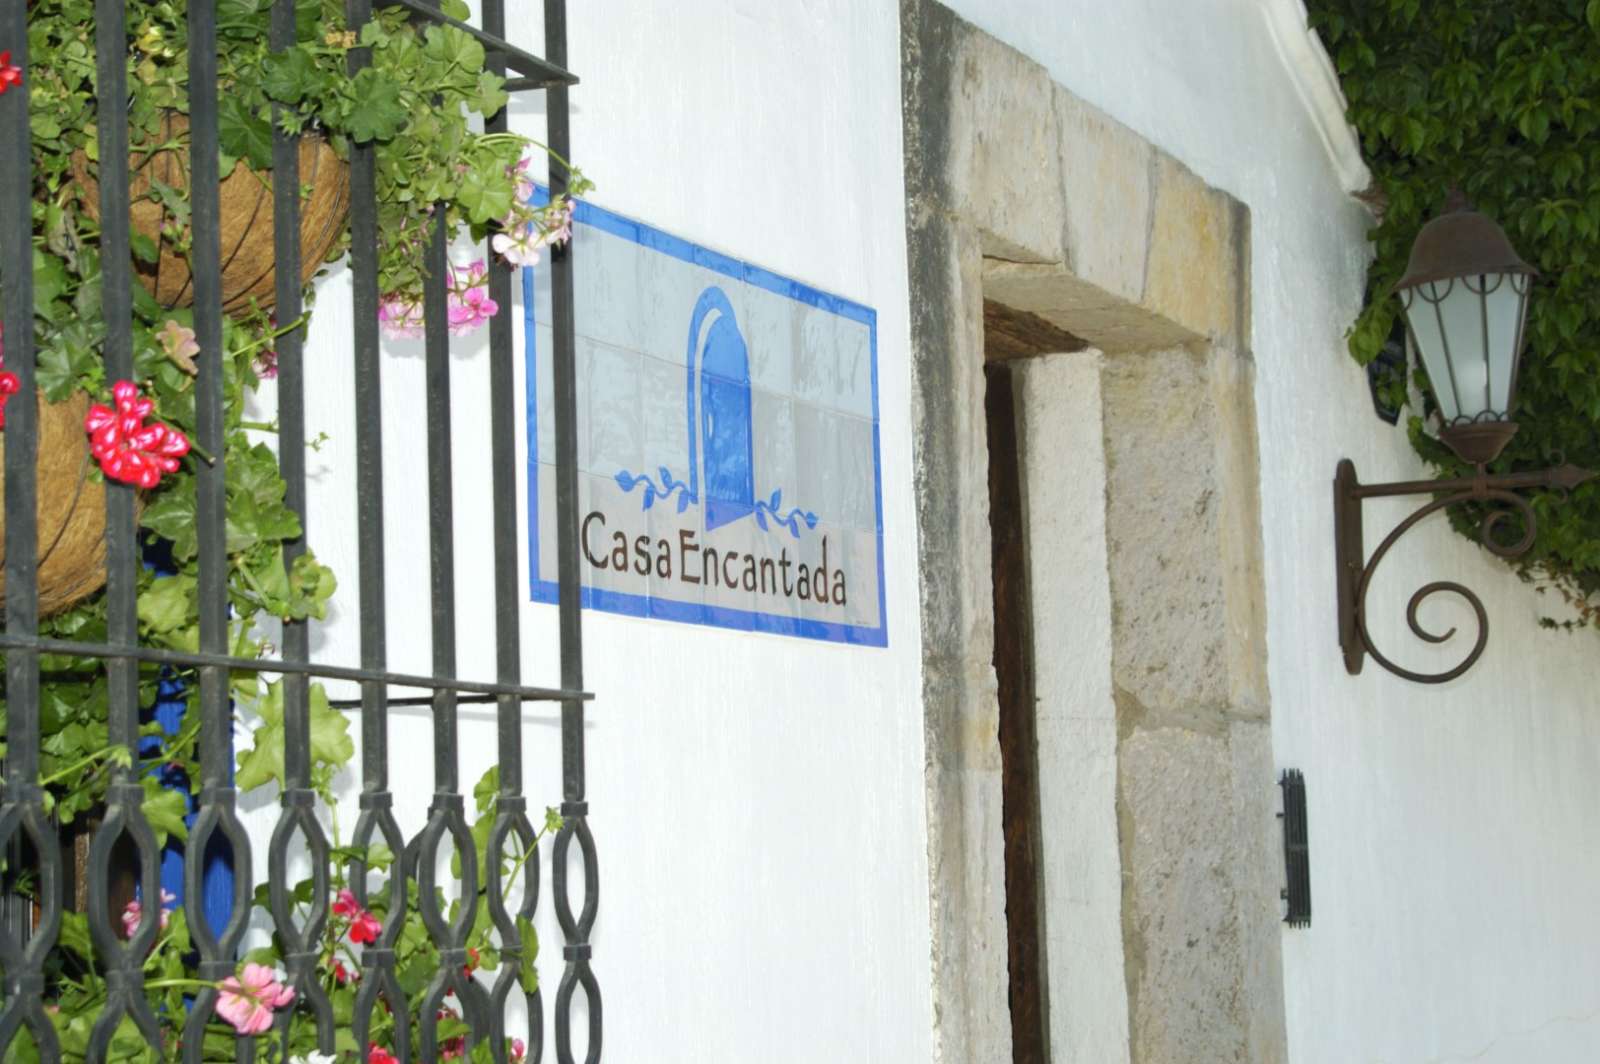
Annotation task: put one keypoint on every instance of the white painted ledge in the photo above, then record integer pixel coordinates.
(1317, 84)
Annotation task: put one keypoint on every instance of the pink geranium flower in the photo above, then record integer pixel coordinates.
(400, 317)
(180, 345)
(249, 999)
(524, 232)
(376, 1054)
(132, 913)
(518, 244)
(470, 305)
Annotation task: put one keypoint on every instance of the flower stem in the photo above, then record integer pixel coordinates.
(109, 751)
(199, 983)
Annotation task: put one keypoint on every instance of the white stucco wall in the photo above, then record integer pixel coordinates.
(1452, 843)
(757, 801)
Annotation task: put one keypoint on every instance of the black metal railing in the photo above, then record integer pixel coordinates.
(24, 949)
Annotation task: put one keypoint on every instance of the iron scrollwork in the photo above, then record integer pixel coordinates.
(1356, 570)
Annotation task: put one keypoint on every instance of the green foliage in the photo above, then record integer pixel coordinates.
(417, 103)
(1503, 101)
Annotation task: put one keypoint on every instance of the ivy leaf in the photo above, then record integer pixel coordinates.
(450, 45)
(170, 515)
(263, 761)
(242, 132)
(311, 585)
(144, 248)
(288, 77)
(527, 969)
(167, 603)
(330, 732)
(486, 789)
(60, 364)
(331, 745)
(485, 196)
(164, 808)
(49, 283)
(378, 113)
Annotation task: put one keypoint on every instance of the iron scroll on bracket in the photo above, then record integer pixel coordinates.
(1355, 570)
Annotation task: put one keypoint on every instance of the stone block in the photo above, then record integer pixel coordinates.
(1170, 663)
(1005, 153)
(1107, 171)
(1239, 529)
(1181, 921)
(1258, 877)
(1069, 302)
(1064, 466)
(1197, 267)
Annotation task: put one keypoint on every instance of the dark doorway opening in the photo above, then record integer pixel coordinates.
(1014, 669)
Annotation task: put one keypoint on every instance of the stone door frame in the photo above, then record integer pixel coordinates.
(1161, 873)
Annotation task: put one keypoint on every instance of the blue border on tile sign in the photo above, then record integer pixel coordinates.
(633, 605)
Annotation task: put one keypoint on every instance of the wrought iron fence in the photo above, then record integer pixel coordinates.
(25, 826)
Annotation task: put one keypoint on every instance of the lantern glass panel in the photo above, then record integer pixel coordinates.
(1469, 330)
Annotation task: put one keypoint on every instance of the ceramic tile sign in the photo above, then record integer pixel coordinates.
(727, 440)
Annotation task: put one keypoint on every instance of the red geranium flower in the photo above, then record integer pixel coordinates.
(9, 75)
(364, 927)
(127, 449)
(376, 1054)
(8, 387)
(9, 384)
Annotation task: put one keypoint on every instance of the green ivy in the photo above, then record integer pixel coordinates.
(1503, 101)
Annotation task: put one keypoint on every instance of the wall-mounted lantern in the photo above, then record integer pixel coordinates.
(1465, 294)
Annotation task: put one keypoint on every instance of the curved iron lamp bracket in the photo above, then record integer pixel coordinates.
(1355, 569)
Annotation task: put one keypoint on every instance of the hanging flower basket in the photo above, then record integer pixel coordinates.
(71, 509)
(248, 252)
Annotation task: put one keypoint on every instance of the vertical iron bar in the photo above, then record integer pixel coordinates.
(377, 822)
(511, 819)
(123, 961)
(369, 436)
(291, 402)
(22, 807)
(447, 814)
(217, 796)
(574, 808)
(502, 449)
(441, 531)
(566, 415)
(302, 941)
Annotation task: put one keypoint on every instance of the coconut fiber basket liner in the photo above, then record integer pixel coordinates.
(71, 508)
(248, 252)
